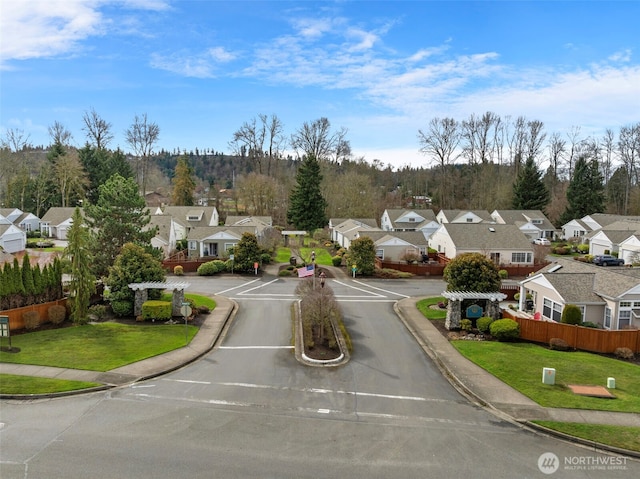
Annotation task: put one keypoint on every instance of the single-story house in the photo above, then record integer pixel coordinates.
(609, 297)
(396, 245)
(25, 221)
(608, 239)
(56, 222)
(215, 241)
(12, 238)
(191, 216)
(170, 230)
(259, 223)
(533, 223)
(504, 244)
(580, 227)
(349, 230)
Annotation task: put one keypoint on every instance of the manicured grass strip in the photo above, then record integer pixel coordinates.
(283, 255)
(424, 306)
(13, 384)
(625, 437)
(198, 299)
(520, 366)
(323, 258)
(97, 347)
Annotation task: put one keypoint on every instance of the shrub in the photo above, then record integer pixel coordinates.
(57, 314)
(558, 344)
(122, 308)
(623, 353)
(583, 248)
(505, 330)
(153, 310)
(178, 270)
(503, 273)
(285, 272)
(98, 312)
(265, 258)
(207, 269)
(484, 323)
(571, 314)
(336, 260)
(31, 319)
(465, 324)
(590, 324)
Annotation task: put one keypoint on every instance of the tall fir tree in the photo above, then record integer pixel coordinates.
(307, 206)
(183, 183)
(585, 194)
(82, 283)
(120, 217)
(529, 191)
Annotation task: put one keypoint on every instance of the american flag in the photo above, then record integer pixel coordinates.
(304, 272)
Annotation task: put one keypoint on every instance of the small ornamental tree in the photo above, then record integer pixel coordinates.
(133, 265)
(246, 252)
(571, 314)
(362, 254)
(472, 272)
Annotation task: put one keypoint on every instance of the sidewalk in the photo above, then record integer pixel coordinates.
(471, 380)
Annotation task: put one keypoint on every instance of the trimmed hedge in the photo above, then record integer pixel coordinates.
(505, 330)
(483, 324)
(160, 310)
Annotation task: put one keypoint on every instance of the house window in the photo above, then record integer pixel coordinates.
(521, 257)
(228, 246)
(624, 314)
(380, 253)
(536, 221)
(411, 220)
(552, 310)
(469, 220)
(192, 245)
(607, 317)
(583, 311)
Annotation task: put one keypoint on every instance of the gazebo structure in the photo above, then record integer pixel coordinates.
(454, 306)
(142, 295)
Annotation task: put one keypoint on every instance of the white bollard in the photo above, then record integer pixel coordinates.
(548, 376)
(611, 383)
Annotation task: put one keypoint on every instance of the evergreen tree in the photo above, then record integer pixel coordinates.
(119, 217)
(82, 280)
(307, 207)
(585, 193)
(27, 277)
(183, 183)
(246, 252)
(362, 254)
(529, 191)
(472, 272)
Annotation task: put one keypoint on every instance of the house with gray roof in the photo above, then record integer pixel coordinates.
(409, 220)
(397, 245)
(464, 216)
(503, 244)
(258, 223)
(609, 297)
(533, 223)
(12, 238)
(191, 216)
(215, 241)
(607, 239)
(56, 222)
(581, 227)
(349, 230)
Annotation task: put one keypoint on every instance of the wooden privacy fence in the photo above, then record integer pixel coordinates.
(579, 337)
(15, 315)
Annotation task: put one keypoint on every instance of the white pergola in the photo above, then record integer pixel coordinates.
(454, 306)
(141, 289)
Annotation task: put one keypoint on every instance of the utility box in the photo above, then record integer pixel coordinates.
(548, 376)
(611, 383)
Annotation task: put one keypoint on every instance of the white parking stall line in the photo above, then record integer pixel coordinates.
(257, 287)
(256, 347)
(371, 293)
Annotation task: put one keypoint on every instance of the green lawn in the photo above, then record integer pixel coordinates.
(520, 365)
(323, 258)
(625, 437)
(198, 300)
(96, 347)
(424, 306)
(13, 384)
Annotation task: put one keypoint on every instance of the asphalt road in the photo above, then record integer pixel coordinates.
(249, 409)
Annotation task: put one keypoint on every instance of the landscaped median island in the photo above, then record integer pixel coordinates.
(519, 364)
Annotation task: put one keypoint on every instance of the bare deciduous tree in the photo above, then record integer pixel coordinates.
(59, 134)
(261, 139)
(316, 139)
(439, 142)
(97, 129)
(142, 136)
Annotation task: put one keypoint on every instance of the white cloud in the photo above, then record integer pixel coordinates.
(201, 65)
(44, 28)
(623, 56)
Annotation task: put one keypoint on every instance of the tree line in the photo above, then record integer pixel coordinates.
(474, 163)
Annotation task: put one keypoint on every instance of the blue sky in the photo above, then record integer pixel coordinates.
(382, 70)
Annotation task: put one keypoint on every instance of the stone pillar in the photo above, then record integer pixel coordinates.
(176, 302)
(493, 309)
(141, 297)
(454, 314)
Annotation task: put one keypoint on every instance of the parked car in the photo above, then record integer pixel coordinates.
(607, 260)
(542, 241)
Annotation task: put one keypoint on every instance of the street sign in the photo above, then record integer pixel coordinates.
(4, 327)
(186, 310)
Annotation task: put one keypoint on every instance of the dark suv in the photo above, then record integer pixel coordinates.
(607, 260)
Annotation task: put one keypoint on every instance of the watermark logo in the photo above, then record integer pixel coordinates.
(548, 463)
